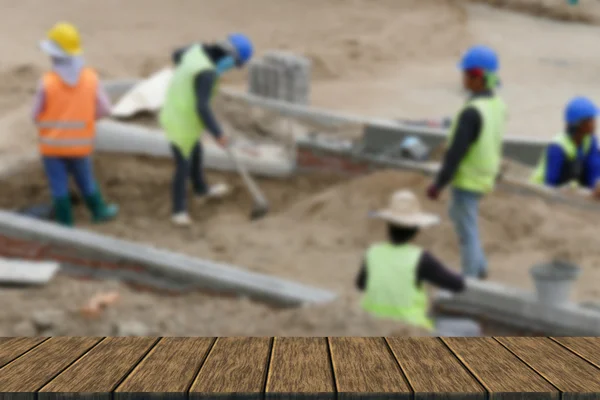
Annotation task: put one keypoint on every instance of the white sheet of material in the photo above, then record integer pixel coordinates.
(146, 96)
(24, 272)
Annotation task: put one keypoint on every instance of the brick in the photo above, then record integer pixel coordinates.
(18, 248)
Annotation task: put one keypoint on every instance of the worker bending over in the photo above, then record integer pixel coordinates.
(68, 101)
(187, 111)
(572, 156)
(472, 162)
(393, 272)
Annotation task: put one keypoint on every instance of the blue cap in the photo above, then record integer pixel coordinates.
(243, 47)
(579, 109)
(480, 57)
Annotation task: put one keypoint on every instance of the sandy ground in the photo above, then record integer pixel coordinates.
(56, 310)
(388, 58)
(325, 224)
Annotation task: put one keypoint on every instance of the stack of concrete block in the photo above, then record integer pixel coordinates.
(266, 80)
(281, 76)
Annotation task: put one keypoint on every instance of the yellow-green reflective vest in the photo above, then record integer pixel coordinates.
(178, 116)
(391, 290)
(570, 149)
(478, 170)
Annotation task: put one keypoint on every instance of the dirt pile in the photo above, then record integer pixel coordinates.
(55, 310)
(318, 229)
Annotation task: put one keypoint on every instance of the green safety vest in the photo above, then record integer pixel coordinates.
(479, 169)
(179, 116)
(391, 291)
(570, 149)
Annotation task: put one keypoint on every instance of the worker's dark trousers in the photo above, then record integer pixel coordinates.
(184, 169)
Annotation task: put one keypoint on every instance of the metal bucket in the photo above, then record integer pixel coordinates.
(553, 281)
(457, 327)
(413, 148)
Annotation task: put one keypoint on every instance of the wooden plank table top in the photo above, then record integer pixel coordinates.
(375, 368)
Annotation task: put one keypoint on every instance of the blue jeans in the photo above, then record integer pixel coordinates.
(464, 213)
(58, 170)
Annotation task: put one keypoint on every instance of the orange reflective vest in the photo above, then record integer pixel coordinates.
(67, 124)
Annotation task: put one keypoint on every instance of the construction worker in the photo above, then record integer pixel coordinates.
(572, 156)
(393, 272)
(472, 162)
(68, 101)
(187, 111)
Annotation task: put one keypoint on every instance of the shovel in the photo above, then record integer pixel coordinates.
(261, 206)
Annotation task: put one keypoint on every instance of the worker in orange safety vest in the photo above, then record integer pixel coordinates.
(68, 101)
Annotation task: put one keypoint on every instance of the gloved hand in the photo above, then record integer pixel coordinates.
(223, 141)
(433, 193)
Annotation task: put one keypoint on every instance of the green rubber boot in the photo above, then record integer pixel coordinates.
(101, 211)
(63, 213)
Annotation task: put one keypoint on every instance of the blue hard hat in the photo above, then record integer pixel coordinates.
(580, 108)
(243, 47)
(481, 57)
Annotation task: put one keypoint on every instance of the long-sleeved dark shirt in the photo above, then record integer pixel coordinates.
(204, 83)
(430, 270)
(467, 132)
(584, 169)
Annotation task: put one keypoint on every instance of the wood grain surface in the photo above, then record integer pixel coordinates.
(586, 347)
(571, 374)
(365, 368)
(433, 371)
(374, 368)
(300, 367)
(90, 374)
(11, 348)
(503, 374)
(235, 365)
(167, 371)
(30, 372)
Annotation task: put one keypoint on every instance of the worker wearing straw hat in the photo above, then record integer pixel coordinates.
(68, 101)
(393, 272)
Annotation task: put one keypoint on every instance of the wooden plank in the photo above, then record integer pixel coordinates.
(586, 347)
(236, 366)
(11, 348)
(364, 368)
(433, 371)
(572, 375)
(90, 373)
(498, 370)
(167, 371)
(30, 372)
(300, 368)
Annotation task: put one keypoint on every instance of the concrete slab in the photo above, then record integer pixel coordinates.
(379, 133)
(22, 272)
(260, 159)
(520, 309)
(204, 274)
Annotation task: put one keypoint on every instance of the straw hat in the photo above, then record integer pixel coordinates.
(404, 210)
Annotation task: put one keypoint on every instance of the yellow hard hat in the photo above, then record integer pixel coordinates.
(62, 38)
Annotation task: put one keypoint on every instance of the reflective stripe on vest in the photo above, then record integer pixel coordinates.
(479, 168)
(179, 116)
(570, 149)
(61, 124)
(66, 125)
(391, 290)
(66, 142)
